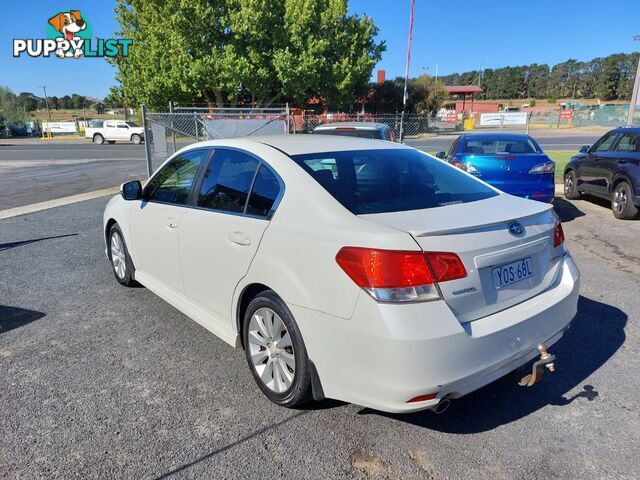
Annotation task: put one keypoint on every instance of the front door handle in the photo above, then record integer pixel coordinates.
(239, 238)
(172, 223)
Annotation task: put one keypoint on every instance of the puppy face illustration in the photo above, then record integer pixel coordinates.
(68, 23)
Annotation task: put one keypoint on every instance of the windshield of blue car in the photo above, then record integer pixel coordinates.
(497, 145)
(350, 132)
(391, 180)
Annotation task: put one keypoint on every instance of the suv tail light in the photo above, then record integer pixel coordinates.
(399, 275)
(558, 234)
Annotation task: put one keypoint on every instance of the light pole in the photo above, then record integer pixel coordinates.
(636, 87)
(46, 102)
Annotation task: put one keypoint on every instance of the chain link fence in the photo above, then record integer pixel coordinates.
(169, 131)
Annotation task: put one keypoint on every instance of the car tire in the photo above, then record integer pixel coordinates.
(99, 139)
(136, 139)
(121, 262)
(622, 202)
(570, 186)
(275, 351)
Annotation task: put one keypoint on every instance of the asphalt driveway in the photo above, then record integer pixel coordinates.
(97, 380)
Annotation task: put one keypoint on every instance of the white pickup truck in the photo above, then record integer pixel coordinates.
(111, 131)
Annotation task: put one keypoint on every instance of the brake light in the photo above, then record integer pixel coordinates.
(446, 266)
(423, 398)
(399, 275)
(558, 234)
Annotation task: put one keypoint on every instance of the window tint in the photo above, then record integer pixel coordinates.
(173, 183)
(122, 125)
(379, 181)
(375, 134)
(227, 181)
(628, 143)
(492, 146)
(264, 193)
(605, 143)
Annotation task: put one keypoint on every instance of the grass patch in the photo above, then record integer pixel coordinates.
(561, 157)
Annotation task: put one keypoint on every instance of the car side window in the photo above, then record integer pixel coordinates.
(629, 142)
(266, 189)
(122, 125)
(454, 148)
(227, 181)
(605, 143)
(173, 183)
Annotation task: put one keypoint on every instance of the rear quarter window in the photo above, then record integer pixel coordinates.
(391, 180)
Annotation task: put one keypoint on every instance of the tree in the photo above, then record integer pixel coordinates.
(28, 101)
(428, 95)
(220, 51)
(115, 97)
(10, 110)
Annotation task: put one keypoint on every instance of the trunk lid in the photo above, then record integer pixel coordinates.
(478, 232)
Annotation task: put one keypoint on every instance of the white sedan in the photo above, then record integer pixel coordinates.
(353, 269)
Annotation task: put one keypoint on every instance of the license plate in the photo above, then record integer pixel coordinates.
(512, 273)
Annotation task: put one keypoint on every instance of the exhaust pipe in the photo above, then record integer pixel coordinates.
(441, 407)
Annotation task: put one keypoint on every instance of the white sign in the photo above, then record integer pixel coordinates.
(59, 127)
(506, 118)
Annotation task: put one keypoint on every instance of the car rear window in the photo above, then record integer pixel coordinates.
(391, 180)
(350, 132)
(497, 145)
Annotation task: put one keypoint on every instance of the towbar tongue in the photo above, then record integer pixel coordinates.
(546, 360)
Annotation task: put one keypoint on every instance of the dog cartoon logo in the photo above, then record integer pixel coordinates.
(69, 24)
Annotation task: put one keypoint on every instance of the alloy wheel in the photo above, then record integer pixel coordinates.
(568, 184)
(118, 258)
(620, 199)
(271, 350)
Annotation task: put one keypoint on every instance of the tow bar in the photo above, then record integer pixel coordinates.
(546, 360)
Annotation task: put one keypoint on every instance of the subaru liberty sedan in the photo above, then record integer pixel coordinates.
(348, 268)
(514, 163)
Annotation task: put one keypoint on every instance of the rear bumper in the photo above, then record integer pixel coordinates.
(387, 354)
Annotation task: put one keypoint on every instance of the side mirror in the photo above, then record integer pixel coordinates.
(441, 155)
(131, 190)
(584, 149)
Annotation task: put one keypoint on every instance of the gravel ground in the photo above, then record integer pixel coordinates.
(97, 380)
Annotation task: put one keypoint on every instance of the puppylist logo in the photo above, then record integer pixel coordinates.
(69, 35)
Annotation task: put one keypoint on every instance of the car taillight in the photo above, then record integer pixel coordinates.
(399, 275)
(547, 167)
(558, 235)
(471, 168)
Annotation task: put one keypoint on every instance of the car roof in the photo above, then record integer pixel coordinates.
(632, 128)
(357, 125)
(300, 144)
(491, 135)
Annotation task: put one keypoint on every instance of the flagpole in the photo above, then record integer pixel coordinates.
(406, 72)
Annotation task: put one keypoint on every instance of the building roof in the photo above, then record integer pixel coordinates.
(462, 89)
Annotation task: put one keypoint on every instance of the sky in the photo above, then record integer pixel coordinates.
(454, 35)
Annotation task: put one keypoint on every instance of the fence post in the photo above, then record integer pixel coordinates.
(147, 140)
(288, 119)
(558, 124)
(528, 121)
(402, 126)
(195, 123)
(173, 131)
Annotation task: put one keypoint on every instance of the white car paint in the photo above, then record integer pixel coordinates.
(374, 354)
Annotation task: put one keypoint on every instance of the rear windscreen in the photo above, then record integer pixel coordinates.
(391, 180)
(492, 146)
(375, 134)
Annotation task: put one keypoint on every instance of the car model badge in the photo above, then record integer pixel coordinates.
(516, 229)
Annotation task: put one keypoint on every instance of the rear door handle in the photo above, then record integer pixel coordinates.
(239, 238)
(172, 222)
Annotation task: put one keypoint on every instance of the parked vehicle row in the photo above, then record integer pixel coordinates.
(354, 269)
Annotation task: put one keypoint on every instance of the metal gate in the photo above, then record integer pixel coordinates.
(167, 132)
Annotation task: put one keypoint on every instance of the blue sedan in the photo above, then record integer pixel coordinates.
(513, 163)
